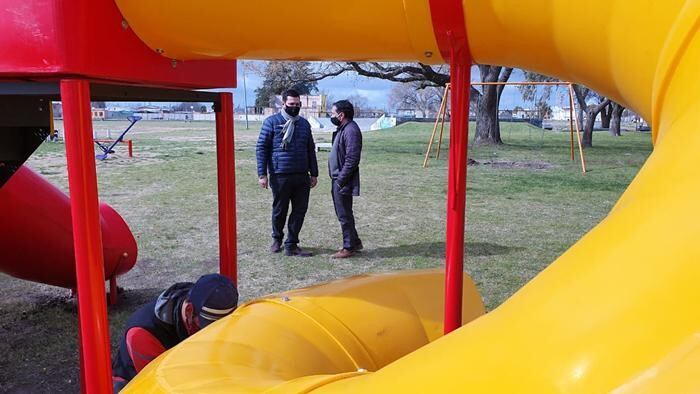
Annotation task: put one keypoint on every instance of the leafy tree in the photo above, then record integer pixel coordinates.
(280, 76)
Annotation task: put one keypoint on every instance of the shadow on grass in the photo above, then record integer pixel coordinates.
(437, 250)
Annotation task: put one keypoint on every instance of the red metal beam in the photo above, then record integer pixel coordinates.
(451, 36)
(456, 195)
(87, 237)
(226, 173)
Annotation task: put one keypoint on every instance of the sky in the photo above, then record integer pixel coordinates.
(376, 90)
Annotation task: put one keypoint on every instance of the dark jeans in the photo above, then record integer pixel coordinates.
(343, 210)
(286, 188)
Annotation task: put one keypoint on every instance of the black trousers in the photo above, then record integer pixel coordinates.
(294, 189)
(343, 210)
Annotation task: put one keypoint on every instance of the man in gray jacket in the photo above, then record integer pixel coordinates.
(344, 170)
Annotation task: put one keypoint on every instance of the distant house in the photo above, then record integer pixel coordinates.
(505, 114)
(561, 113)
(370, 113)
(521, 113)
(98, 114)
(407, 113)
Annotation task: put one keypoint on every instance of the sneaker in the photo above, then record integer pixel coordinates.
(343, 254)
(298, 252)
(276, 247)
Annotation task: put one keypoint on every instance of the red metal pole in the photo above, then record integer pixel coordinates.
(225, 164)
(456, 192)
(131, 148)
(87, 237)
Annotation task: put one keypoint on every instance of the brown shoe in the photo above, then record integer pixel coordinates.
(276, 247)
(343, 254)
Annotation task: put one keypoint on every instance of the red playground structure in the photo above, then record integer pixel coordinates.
(74, 51)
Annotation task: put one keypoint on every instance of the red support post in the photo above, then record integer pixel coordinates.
(87, 237)
(226, 171)
(451, 36)
(456, 193)
(131, 148)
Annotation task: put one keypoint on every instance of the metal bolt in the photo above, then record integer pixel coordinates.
(428, 54)
(126, 254)
(285, 299)
(173, 63)
(125, 24)
(361, 370)
(160, 51)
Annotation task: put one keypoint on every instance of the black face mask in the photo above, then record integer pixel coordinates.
(335, 121)
(292, 111)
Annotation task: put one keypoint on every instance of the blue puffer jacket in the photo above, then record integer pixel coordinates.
(300, 155)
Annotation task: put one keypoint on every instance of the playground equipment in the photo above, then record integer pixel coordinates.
(442, 115)
(36, 237)
(614, 313)
(107, 149)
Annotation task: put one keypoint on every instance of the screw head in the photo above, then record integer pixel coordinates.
(173, 63)
(125, 24)
(428, 54)
(285, 299)
(160, 51)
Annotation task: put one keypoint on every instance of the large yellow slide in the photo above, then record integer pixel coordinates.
(618, 312)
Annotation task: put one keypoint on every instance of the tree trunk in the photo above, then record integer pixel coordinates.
(487, 127)
(616, 118)
(605, 116)
(587, 140)
(487, 131)
(580, 94)
(591, 115)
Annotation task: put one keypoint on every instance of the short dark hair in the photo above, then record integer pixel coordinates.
(345, 107)
(289, 93)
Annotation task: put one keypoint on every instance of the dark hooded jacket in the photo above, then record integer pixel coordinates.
(161, 318)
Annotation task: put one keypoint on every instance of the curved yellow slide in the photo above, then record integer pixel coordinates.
(618, 312)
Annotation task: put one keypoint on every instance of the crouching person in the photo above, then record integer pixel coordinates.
(180, 311)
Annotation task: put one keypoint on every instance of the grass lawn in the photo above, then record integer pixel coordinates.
(527, 203)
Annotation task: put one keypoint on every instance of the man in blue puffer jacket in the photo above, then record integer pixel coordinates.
(286, 152)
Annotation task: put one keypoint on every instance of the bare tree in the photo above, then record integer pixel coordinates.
(426, 100)
(538, 95)
(359, 102)
(424, 76)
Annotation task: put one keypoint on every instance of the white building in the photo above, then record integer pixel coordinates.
(561, 113)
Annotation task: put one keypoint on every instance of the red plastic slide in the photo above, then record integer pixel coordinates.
(36, 237)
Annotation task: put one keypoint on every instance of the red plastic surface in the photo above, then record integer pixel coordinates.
(51, 39)
(36, 236)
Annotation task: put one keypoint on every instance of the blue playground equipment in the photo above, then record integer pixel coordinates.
(110, 149)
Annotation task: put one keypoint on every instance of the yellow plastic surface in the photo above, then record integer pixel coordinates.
(617, 311)
(307, 338)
